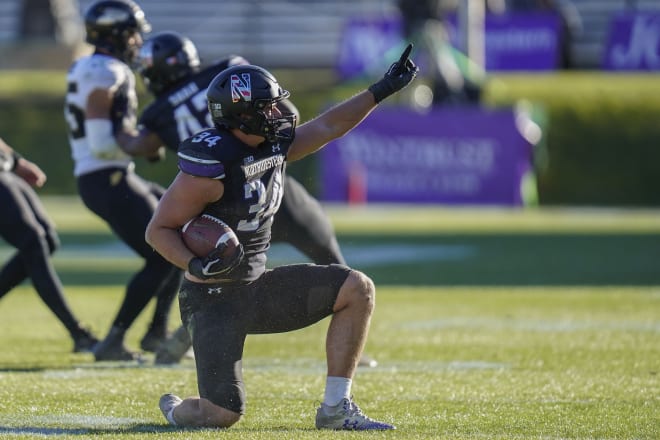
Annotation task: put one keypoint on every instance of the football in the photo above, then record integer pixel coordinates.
(206, 233)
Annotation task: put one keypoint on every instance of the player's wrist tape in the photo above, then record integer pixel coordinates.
(16, 157)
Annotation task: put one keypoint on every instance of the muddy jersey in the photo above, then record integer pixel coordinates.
(87, 74)
(252, 179)
(181, 111)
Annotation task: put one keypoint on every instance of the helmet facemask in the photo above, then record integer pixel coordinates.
(273, 128)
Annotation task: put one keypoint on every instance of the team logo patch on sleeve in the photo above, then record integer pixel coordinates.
(241, 87)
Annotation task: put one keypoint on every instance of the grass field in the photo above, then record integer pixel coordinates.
(490, 324)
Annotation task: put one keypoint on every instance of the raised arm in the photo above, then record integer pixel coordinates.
(340, 119)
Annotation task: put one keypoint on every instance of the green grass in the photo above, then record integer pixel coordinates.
(454, 246)
(457, 363)
(548, 329)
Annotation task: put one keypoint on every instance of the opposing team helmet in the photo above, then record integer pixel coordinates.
(243, 97)
(165, 59)
(111, 23)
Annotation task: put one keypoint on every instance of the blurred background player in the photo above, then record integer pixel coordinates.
(446, 68)
(171, 69)
(101, 107)
(25, 225)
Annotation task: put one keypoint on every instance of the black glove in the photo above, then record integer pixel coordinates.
(213, 265)
(399, 75)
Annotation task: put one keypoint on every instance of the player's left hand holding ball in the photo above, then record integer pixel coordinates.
(398, 76)
(215, 245)
(215, 265)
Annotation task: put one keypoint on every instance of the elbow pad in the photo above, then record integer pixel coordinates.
(101, 140)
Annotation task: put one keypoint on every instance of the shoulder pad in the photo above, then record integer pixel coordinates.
(97, 71)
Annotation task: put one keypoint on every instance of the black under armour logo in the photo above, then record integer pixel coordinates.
(214, 290)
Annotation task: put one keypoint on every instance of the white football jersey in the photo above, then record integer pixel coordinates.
(86, 75)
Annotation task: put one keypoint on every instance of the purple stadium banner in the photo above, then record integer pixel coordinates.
(528, 42)
(448, 156)
(633, 42)
(364, 43)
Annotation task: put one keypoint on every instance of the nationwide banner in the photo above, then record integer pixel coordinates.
(448, 156)
(522, 42)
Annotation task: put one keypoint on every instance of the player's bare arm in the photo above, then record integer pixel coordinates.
(27, 170)
(141, 142)
(185, 198)
(340, 119)
(99, 104)
(133, 142)
(332, 124)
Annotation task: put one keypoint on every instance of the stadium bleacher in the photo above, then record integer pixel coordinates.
(9, 20)
(274, 33)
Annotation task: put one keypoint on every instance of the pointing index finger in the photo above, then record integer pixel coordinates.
(405, 55)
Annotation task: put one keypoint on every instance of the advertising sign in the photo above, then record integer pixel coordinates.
(513, 42)
(634, 42)
(450, 156)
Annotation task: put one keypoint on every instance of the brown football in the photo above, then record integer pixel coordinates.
(206, 233)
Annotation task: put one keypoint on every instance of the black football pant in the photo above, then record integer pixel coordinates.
(219, 317)
(127, 202)
(25, 225)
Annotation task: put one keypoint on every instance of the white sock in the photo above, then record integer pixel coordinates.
(170, 416)
(336, 389)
